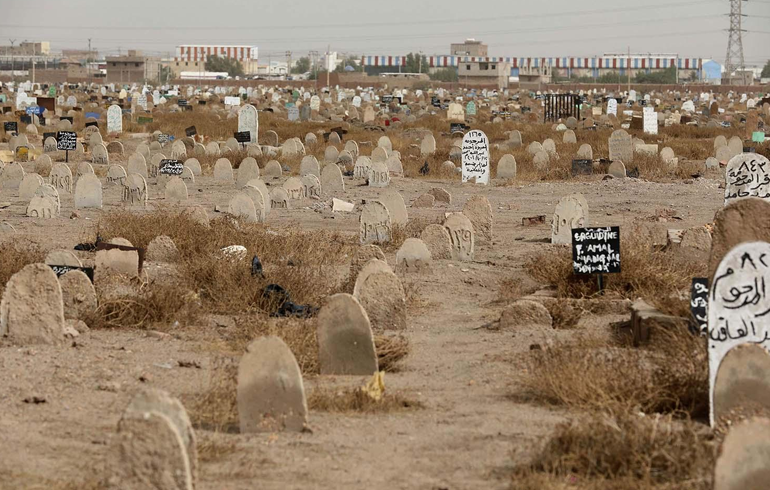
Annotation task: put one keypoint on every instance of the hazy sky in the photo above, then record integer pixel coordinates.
(510, 27)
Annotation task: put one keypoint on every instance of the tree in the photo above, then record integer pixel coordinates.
(352, 62)
(445, 75)
(610, 77)
(416, 63)
(302, 65)
(232, 66)
(766, 70)
(661, 76)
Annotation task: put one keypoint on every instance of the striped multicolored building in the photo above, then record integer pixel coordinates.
(584, 66)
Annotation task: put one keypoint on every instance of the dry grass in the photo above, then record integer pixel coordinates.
(212, 449)
(564, 314)
(153, 305)
(661, 277)
(303, 263)
(624, 452)
(670, 376)
(217, 408)
(354, 400)
(14, 258)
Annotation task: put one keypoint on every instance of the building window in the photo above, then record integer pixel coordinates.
(136, 65)
(186, 63)
(467, 67)
(483, 66)
(494, 67)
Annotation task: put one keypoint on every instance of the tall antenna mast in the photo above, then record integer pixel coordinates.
(734, 59)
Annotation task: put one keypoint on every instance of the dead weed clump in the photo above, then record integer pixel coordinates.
(302, 262)
(355, 400)
(661, 277)
(216, 409)
(623, 452)
(670, 376)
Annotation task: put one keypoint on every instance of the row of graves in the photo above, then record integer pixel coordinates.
(730, 304)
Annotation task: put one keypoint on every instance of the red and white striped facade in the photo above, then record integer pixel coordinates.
(189, 52)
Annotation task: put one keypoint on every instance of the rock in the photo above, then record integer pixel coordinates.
(525, 313)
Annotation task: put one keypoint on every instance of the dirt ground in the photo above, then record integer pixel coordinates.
(472, 427)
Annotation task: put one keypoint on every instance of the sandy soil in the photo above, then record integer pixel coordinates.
(471, 431)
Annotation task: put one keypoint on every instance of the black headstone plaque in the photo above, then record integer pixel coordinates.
(11, 127)
(596, 250)
(170, 167)
(582, 167)
(66, 140)
(243, 136)
(699, 301)
(191, 131)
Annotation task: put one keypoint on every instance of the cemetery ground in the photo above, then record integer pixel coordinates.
(479, 391)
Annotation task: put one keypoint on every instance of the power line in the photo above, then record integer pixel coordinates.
(463, 20)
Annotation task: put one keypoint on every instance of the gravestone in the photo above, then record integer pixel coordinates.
(362, 167)
(382, 296)
(31, 309)
(116, 175)
(345, 341)
(61, 177)
(272, 169)
(223, 170)
(742, 220)
(617, 170)
(152, 400)
(393, 200)
(312, 186)
(374, 223)
(413, 255)
(137, 165)
(194, 165)
(148, 452)
(475, 157)
(331, 180)
(331, 154)
(88, 192)
(135, 190)
(309, 165)
(379, 176)
(585, 152)
(569, 137)
(478, 210)
(242, 206)
(428, 145)
(506, 167)
(621, 147)
(736, 309)
(176, 190)
(461, 236)
(100, 155)
(114, 119)
(279, 198)
(29, 185)
(747, 175)
(248, 121)
(78, 293)
(436, 239)
(571, 212)
(11, 176)
(271, 395)
(743, 455)
(248, 170)
(294, 188)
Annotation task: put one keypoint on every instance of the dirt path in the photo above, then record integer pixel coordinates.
(463, 375)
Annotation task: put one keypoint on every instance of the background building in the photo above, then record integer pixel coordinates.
(132, 68)
(193, 57)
